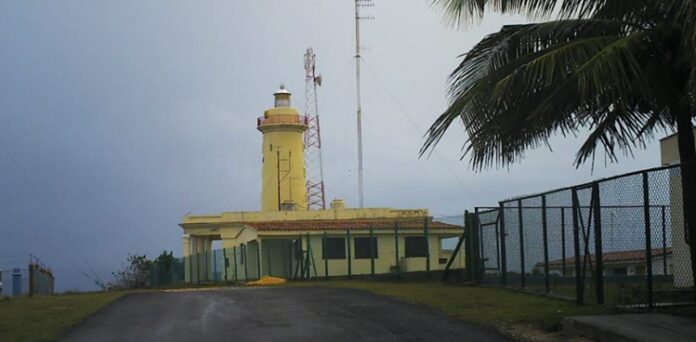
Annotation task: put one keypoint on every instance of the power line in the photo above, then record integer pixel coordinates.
(414, 125)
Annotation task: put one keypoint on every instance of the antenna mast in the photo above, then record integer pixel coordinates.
(312, 138)
(358, 18)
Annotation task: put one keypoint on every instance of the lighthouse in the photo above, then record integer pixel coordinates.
(289, 240)
(283, 185)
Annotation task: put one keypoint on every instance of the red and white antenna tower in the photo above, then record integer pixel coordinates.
(312, 139)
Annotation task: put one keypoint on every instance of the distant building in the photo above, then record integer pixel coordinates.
(284, 238)
(616, 263)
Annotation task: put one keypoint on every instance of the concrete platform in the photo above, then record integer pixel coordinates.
(651, 327)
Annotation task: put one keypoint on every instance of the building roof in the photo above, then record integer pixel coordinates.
(637, 255)
(357, 224)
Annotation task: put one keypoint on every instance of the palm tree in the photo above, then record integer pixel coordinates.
(622, 69)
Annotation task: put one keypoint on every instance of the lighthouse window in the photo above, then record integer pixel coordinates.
(335, 248)
(282, 103)
(271, 146)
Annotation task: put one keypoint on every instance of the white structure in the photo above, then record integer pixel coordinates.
(669, 152)
(628, 263)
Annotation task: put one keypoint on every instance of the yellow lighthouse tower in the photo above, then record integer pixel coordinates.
(283, 171)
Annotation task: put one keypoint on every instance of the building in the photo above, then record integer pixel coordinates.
(669, 152)
(619, 263)
(287, 240)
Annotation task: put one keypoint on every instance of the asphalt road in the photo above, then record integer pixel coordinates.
(272, 314)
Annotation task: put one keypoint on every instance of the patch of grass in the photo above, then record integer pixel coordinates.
(484, 306)
(45, 318)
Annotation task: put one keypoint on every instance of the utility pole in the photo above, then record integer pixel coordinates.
(278, 176)
(359, 4)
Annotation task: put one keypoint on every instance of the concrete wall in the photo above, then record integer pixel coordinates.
(329, 214)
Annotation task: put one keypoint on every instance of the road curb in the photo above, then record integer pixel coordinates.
(647, 327)
(578, 326)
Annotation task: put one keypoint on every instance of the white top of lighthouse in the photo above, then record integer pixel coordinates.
(282, 97)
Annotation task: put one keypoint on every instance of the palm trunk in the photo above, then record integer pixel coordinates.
(687, 154)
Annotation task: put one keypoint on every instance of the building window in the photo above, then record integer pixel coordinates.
(362, 248)
(442, 261)
(242, 249)
(416, 246)
(620, 271)
(640, 270)
(334, 248)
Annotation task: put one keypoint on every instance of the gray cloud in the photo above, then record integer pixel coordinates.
(122, 116)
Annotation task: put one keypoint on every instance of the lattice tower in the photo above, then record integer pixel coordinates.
(312, 139)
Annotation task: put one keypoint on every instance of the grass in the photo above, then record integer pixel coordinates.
(46, 318)
(491, 307)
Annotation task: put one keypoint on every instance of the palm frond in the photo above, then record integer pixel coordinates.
(458, 12)
(536, 81)
(613, 66)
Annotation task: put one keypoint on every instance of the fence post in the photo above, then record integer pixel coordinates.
(300, 262)
(519, 216)
(268, 259)
(476, 251)
(396, 244)
(350, 271)
(234, 259)
(372, 253)
(226, 261)
(246, 261)
(32, 280)
(206, 261)
(469, 250)
(198, 262)
(664, 243)
(326, 257)
(648, 238)
(599, 262)
(563, 243)
(480, 260)
(546, 244)
(427, 247)
(258, 258)
(214, 266)
(291, 252)
(503, 249)
(190, 263)
(579, 291)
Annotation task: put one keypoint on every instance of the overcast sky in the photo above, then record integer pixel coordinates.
(119, 117)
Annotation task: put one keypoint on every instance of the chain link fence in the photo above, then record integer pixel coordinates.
(618, 241)
(386, 253)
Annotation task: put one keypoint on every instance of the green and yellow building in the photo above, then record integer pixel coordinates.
(284, 239)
